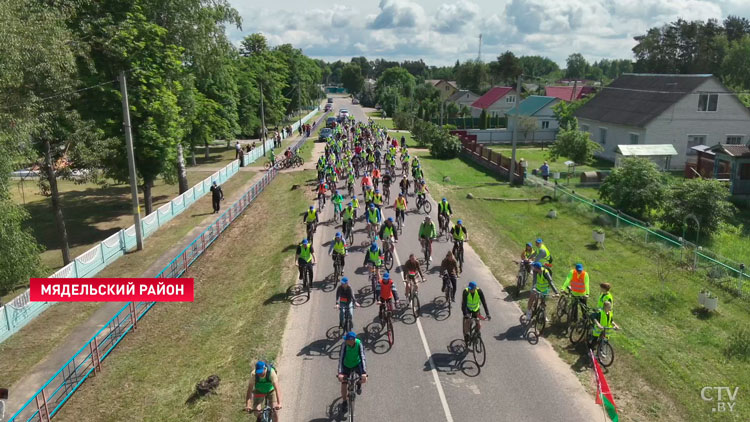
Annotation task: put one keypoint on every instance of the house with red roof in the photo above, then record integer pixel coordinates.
(497, 101)
(566, 93)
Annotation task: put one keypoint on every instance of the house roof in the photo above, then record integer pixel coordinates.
(531, 105)
(636, 99)
(451, 83)
(703, 148)
(732, 150)
(460, 93)
(565, 92)
(491, 97)
(647, 150)
(432, 82)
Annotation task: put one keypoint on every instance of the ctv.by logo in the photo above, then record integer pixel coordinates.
(725, 398)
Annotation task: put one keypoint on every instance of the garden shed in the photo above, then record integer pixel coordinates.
(661, 154)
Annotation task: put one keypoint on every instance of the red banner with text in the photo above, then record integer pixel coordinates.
(111, 289)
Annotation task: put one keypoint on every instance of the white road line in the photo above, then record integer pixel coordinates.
(438, 385)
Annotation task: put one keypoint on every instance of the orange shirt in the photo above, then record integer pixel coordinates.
(366, 181)
(385, 289)
(376, 173)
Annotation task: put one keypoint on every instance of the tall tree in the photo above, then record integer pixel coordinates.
(576, 66)
(352, 78)
(736, 27)
(736, 66)
(364, 65)
(506, 68)
(473, 75)
(535, 66)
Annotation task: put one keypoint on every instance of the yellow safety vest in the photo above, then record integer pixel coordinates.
(472, 300)
(305, 252)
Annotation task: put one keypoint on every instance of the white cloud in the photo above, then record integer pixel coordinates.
(441, 31)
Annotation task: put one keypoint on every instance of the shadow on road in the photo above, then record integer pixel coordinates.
(437, 309)
(454, 361)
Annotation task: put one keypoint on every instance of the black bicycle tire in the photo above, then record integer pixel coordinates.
(391, 332)
(562, 309)
(578, 331)
(611, 353)
(519, 284)
(267, 165)
(388, 260)
(479, 349)
(427, 206)
(540, 322)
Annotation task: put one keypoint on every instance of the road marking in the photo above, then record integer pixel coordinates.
(438, 385)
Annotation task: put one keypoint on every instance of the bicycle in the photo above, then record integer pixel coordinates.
(605, 354)
(350, 188)
(338, 268)
(476, 344)
(387, 193)
(427, 248)
(321, 201)
(413, 297)
(388, 253)
(443, 223)
(311, 228)
(581, 327)
(307, 277)
(386, 313)
(337, 212)
(349, 232)
(458, 253)
(524, 271)
(562, 310)
(351, 392)
(538, 318)
(423, 203)
(266, 413)
(374, 279)
(345, 317)
(448, 286)
(400, 221)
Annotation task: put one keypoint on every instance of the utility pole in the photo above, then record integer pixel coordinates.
(515, 131)
(131, 161)
(479, 54)
(262, 121)
(299, 102)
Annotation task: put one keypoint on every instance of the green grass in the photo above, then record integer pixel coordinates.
(666, 351)
(237, 317)
(377, 118)
(536, 157)
(38, 338)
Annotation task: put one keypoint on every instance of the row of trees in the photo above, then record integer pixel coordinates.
(187, 85)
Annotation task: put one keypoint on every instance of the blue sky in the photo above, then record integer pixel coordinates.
(440, 32)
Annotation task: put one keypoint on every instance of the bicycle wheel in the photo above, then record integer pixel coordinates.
(520, 282)
(427, 206)
(478, 350)
(350, 237)
(605, 353)
(415, 305)
(391, 334)
(388, 260)
(352, 397)
(347, 322)
(540, 322)
(578, 332)
(267, 166)
(561, 313)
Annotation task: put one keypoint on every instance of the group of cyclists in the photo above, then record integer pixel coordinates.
(362, 151)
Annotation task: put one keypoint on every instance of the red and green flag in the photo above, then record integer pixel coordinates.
(603, 394)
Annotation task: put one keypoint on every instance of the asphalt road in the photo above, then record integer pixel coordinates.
(425, 375)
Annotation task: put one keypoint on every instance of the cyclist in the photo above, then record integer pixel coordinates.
(348, 215)
(470, 306)
(374, 218)
(602, 319)
(369, 194)
(460, 234)
(444, 212)
(304, 256)
(388, 232)
(345, 301)
(351, 358)
(337, 200)
(578, 281)
(366, 181)
(605, 296)
(337, 250)
(386, 290)
(322, 191)
(310, 218)
(387, 180)
(355, 205)
(422, 191)
(427, 232)
(404, 185)
(264, 385)
(449, 271)
(541, 283)
(400, 206)
(377, 199)
(541, 253)
(411, 266)
(376, 177)
(373, 256)
(272, 157)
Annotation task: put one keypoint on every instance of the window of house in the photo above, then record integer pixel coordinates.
(633, 138)
(745, 171)
(545, 124)
(602, 135)
(510, 99)
(734, 139)
(694, 140)
(708, 102)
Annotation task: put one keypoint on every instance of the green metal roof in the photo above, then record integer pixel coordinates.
(531, 105)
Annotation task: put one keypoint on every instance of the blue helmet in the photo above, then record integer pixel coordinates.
(472, 285)
(459, 222)
(304, 241)
(374, 247)
(312, 207)
(344, 280)
(351, 335)
(338, 234)
(372, 205)
(539, 240)
(390, 219)
(260, 367)
(377, 190)
(445, 200)
(529, 245)
(386, 276)
(337, 191)
(579, 267)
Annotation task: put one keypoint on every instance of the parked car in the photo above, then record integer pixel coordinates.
(355, 101)
(331, 122)
(330, 100)
(328, 107)
(324, 134)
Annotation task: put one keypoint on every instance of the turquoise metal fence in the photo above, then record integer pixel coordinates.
(48, 400)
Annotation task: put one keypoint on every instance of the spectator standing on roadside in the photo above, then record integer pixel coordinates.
(544, 170)
(238, 150)
(217, 195)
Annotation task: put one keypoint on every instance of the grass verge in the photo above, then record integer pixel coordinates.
(33, 342)
(667, 350)
(237, 317)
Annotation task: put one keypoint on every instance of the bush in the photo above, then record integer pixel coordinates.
(449, 127)
(707, 199)
(402, 120)
(739, 345)
(445, 145)
(483, 120)
(575, 145)
(637, 187)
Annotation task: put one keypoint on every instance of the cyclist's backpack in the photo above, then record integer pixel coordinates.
(270, 365)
